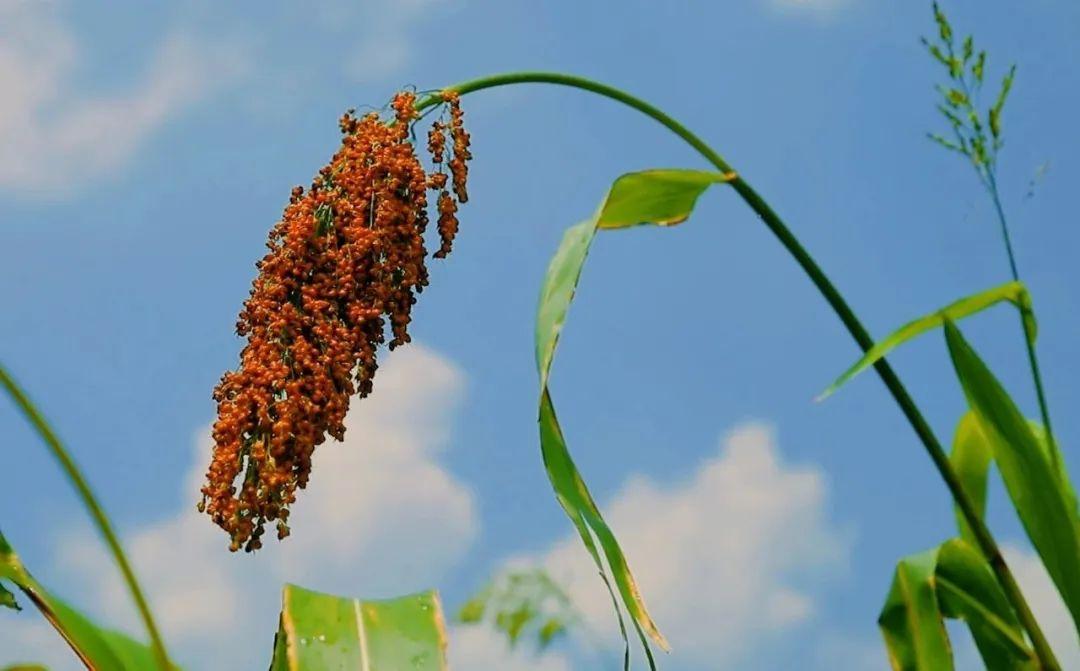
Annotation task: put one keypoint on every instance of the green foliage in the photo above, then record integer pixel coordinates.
(951, 581)
(1013, 292)
(971, 456)
(1041, 493)
(318, 631)
(519, 602)
(661, 197)
(96, 647)
(972, 132)
(7, 599)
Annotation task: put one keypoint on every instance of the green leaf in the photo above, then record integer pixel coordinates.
(911, 621)
(96, 647)
(950, 581)
(972, 454)
(1014, 292)
(7, 599)
(968, 591)
(515, 599)
(661, 197)
(970, 457)
(1045, 503)
(657, 197)
(25, 667)
(318, 631)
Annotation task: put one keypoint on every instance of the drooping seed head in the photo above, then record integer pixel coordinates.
(344, 265)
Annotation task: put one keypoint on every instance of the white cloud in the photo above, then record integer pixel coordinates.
(720, 558)
(54, 137)
(381, 517)
(483, 649)
(26, 638)
(1047, 605)
(723, 558)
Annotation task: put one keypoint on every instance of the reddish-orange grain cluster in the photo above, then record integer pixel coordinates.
(345, 263)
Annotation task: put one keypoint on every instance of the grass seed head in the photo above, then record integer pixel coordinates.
(344, 266)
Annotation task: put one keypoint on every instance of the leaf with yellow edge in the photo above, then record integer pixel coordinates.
(660, 197)
(319, 631)
(951, 581)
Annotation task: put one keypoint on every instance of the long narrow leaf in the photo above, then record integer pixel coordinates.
(96, 647)
(1045, 503)
(1014, 292)
(318, 631)
(972, 455)
(950, 581)
(661, 197)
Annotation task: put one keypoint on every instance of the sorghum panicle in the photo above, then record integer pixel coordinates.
(346, 261)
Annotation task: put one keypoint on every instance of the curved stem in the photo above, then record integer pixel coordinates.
(90, 502)
(835, 300)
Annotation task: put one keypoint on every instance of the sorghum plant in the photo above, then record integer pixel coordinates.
(344, 266)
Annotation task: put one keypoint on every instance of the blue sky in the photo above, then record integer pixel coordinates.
(146, 150)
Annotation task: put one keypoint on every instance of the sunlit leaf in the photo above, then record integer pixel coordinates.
(1044, 501)
(1014, 292)
(96, 647)
(318, 631)
(971, 456)
(25, 667)
(660, 197)
(950, 581)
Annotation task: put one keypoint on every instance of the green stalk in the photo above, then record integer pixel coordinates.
(91, 504)
(835, 300)
(1025, 314)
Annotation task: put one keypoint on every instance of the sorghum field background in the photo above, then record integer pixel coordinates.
(144, 153)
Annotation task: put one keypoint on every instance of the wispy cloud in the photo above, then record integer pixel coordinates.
(728, 559)
(1047, 605)
(55, 138)
(722, 558)
(382, 36)
(381, 517)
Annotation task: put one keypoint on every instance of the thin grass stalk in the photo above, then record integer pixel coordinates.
(836, 301)
(1025, 313)
(92, 506)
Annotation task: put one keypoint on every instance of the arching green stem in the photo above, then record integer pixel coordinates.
(836, 301)
(90, 502)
